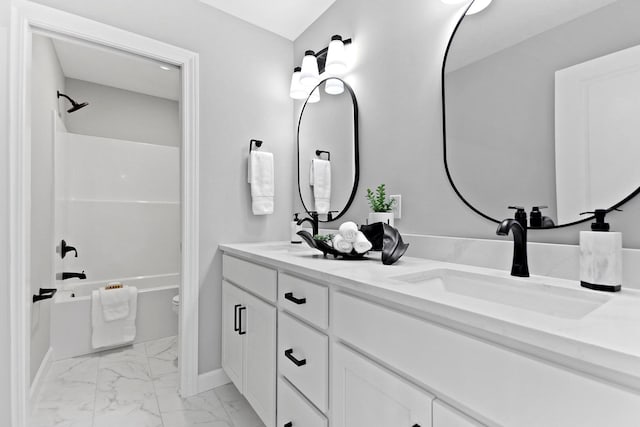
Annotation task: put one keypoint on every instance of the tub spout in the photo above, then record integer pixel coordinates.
(68, 275)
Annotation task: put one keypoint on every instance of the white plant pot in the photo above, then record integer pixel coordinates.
(386, 217)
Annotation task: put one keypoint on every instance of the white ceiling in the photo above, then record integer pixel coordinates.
(506, 23)
(118, 69)
(287, 18)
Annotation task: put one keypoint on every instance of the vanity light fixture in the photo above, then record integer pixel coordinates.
(297, 90)
(476, 6)
(329, 62)
(336, 57)
(334, 87)
(314, 97)
(309, 75)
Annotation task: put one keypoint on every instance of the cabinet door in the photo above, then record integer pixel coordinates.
(232, 341)
(260, 357)
(446, 416)
(366, 395)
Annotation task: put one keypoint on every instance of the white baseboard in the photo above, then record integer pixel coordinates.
(212, 379)
(36, 385)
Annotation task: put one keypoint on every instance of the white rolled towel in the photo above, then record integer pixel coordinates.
(362, 244)
(349, 231)
(341, 244)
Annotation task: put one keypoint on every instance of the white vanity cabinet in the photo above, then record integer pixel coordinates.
(349, 355)
(367, 395)
(249, 335)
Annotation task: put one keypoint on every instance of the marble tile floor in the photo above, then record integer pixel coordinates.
(134, 386)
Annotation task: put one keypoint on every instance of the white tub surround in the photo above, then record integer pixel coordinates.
(501, 360)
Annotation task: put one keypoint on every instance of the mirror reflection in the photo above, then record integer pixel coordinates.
(328, 152)
(541, 102)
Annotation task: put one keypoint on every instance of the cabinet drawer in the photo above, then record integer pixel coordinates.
(294, 409)
(303, 358)
(499, 384)
(260, 280)
(303, 298)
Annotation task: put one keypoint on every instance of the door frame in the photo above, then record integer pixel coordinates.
(28, 18)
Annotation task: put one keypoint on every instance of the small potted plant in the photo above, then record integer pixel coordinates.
(380, 205)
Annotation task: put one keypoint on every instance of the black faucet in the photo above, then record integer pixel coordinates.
(518, 228)
(64, 248)
(313, 219)
(67, 275)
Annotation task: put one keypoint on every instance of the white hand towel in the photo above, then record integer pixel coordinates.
(115, 303)
(261, 178)
(117, 332)
(362, 244)
(320, 179)
(349, 231)
(341, 245)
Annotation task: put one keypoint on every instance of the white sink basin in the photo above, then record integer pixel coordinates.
(527, 294)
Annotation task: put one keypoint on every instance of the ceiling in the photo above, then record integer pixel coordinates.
(122, 70)
(287, 18)
(506, 23)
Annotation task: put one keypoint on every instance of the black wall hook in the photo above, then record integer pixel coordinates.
(257, 142)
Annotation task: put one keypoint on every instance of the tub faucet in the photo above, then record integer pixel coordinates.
(313, 219)
(67, 275)
(519, 267)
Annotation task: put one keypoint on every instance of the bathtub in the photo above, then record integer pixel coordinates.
(71, 312)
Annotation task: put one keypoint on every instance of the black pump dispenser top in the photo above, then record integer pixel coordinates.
(600, 215)
(535, 217)
(520, 215)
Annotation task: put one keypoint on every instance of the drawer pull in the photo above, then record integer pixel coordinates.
(289, 424)
(416, 425)
(289, 296)
(235, 317)
(240, 331)
(289, 355)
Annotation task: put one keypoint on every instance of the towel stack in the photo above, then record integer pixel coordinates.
(261, 178)
(113, 316)
(350, 238)
(320, 180)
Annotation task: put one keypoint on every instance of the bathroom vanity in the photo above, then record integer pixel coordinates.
(312, 341)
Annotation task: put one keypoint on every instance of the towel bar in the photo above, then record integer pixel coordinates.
(257, 142)
(321, 152)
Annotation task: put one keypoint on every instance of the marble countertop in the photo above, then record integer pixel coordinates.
(604, 341)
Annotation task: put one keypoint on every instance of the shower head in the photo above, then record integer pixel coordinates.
(74, 105)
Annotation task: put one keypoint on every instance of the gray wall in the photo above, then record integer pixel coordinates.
(5, 346)
(244, 88)
(500, 110)
(396, 77)
(122, 114)
(47, 77)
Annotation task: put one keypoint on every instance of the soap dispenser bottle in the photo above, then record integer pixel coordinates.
(295, 239)
(600, 256)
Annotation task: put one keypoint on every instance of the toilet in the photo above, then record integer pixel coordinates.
(175, 304)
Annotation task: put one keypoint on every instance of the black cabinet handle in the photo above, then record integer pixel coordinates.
(289, 355)
(289, 296)
(235, 317)
(240, 331)
(289, 424)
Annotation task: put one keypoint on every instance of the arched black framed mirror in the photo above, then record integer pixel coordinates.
(328, 130)
(539, 106)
